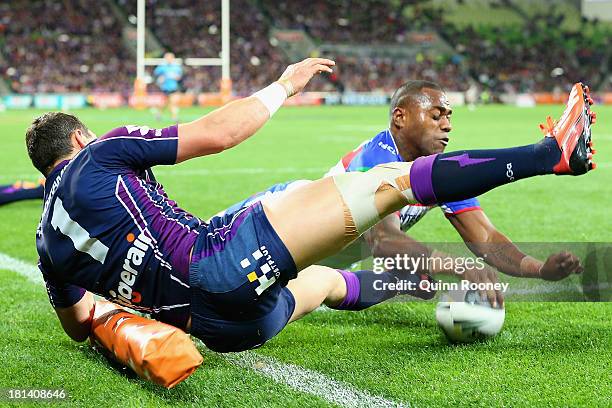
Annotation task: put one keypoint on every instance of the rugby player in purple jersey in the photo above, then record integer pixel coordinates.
(419, 125)
(108, 227)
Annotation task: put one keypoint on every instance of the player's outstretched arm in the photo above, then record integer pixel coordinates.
(76, 319)
(233, 123)
(483, 238)
(387, 240)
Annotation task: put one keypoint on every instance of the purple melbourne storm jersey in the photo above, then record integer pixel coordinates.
(108, 227)
(382, 149)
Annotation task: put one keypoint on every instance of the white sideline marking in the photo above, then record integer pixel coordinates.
(23, 268)
(300, 379)
(309, 381)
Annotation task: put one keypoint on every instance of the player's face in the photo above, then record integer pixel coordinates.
(427, 125)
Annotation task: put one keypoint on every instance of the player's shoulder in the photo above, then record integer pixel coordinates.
(381, 148)
(139, 132)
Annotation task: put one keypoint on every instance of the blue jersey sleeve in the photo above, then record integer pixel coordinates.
(136, 147)
(61, 294)
(457, 207)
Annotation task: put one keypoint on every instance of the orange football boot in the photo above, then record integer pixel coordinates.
(573, 133)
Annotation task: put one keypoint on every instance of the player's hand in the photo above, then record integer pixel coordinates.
(485, 275)
(296, 76)
(560, 266)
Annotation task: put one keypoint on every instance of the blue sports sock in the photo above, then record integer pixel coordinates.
(460, 175)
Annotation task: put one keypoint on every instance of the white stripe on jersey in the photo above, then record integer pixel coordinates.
(143, 229)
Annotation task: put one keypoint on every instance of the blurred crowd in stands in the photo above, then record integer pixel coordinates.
(534, 57)
(78, 45)
(62, 46)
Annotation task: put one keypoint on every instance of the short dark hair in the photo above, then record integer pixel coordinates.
(48, 139)
(409, 90)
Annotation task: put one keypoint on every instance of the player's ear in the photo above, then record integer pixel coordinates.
(398, 117)
(80, 139)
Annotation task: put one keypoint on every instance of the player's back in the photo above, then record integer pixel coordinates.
(108, 227)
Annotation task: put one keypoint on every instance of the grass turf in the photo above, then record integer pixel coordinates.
(549, 354)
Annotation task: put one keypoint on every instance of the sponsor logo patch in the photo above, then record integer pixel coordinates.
(266, 274)
(133, 259)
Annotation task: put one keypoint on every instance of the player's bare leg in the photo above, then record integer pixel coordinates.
(318, 220)
(352, 291)
(314, 286)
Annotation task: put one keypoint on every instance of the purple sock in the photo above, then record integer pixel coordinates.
(460, 175)
(365, 289)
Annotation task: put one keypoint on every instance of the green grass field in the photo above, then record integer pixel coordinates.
(548, 354)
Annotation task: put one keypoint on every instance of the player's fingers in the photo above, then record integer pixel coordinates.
(577, 267)
(492, 297)
(500, 299)
(320, 61)
(498, 294)
(483, 294)
(572, 262)
(490, 294)
(322, 68)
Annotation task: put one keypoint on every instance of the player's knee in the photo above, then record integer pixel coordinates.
(324, 285)
(370, 195)
(336, 288)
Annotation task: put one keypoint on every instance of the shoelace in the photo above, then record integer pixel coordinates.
(549, 127)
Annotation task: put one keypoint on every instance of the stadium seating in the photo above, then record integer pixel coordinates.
(476, 12)
(63, 46)
(513, 46)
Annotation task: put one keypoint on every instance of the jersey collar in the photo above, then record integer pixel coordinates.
(397, 153)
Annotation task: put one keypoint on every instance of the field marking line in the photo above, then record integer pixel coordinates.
(25, 269)
(309, 381)
(295, 377)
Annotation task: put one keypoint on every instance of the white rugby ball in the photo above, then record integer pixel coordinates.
(464, 318)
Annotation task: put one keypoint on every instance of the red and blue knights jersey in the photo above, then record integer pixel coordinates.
(382, 149)
(108, 227)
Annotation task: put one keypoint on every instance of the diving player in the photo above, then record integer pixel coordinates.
(108, 228)
(419, 125)
(169, 75)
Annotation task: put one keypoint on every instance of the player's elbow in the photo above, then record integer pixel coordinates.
(76, 319)
(78, 335)
(77, 330)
